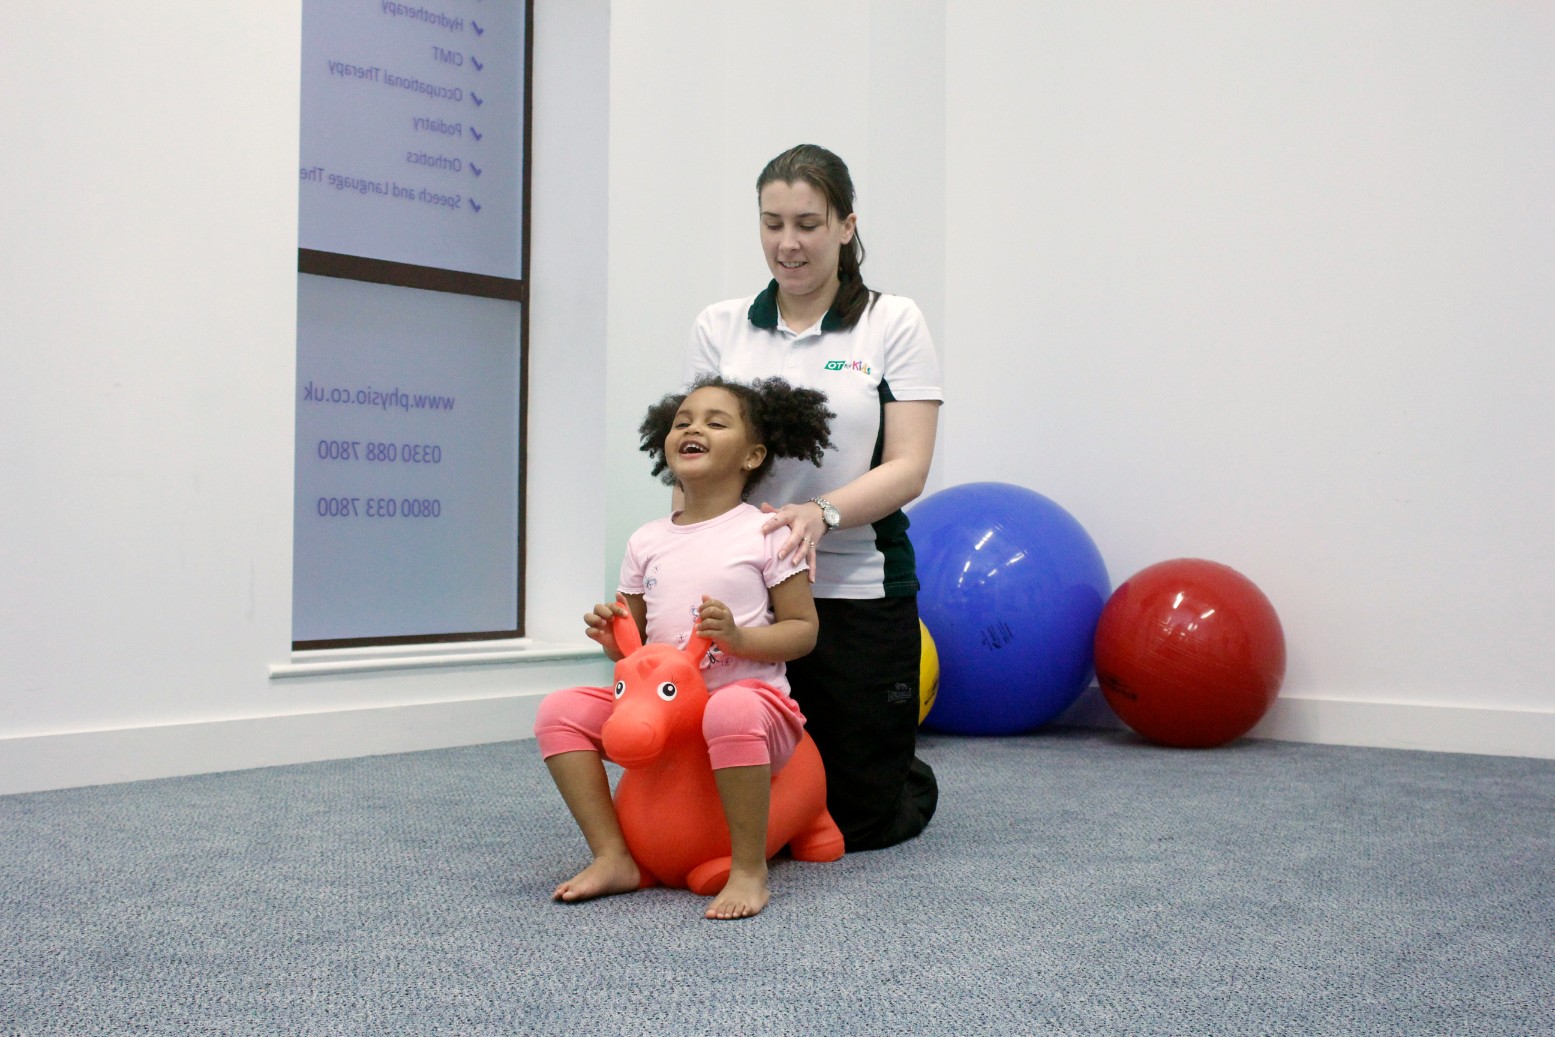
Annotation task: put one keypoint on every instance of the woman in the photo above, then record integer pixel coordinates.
(818, 325)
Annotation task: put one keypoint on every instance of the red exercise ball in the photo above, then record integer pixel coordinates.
(1189, 653)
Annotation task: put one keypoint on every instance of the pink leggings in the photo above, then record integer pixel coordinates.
(746, 724)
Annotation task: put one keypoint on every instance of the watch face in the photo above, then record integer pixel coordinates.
(832, 516)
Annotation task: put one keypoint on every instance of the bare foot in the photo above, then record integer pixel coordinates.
(605, 876)
(743, 896)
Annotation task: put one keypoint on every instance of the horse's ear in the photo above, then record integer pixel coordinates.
(697, 647)
(627, 636)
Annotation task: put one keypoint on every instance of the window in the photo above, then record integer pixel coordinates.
(411, 323)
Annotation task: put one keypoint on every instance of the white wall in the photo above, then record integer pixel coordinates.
(1264, 283)
(1268, 284)
(149, 292)
(1272, 284)
(703, 94)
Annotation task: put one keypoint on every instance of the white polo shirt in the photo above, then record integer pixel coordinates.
(886, 357)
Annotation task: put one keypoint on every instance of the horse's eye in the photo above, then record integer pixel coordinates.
(666, 691)
(620, 688)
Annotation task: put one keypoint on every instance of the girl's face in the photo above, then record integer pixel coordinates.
(802, 238)
(710, 438)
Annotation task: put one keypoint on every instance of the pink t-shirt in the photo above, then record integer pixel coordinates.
(727, 558)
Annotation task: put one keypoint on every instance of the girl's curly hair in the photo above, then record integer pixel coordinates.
(788, 420)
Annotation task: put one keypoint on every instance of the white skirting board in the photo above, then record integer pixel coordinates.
(53, 761)
(1382, 725)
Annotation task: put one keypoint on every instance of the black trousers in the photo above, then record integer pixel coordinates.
(859, 693)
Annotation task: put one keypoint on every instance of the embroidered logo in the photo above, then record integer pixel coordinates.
(848, 365)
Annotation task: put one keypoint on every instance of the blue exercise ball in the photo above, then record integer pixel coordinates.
(1011, 588)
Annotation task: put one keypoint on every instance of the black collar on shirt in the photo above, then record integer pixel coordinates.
(764, 311)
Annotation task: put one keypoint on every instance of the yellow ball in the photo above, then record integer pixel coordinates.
(928, 674)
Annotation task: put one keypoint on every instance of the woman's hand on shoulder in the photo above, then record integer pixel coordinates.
(805, 529)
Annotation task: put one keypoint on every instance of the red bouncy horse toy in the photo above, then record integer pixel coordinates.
(667, 799)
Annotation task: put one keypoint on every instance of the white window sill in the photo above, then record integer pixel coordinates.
(335, 661)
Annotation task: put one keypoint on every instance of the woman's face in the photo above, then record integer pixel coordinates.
(802, 238)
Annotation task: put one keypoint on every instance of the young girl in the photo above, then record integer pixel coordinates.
(712, 561)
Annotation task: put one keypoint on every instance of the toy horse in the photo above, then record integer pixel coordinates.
(667, 799)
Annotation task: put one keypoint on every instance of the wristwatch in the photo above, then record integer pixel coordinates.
(829, 513)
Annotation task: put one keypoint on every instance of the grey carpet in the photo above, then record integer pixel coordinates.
(1074, 882)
